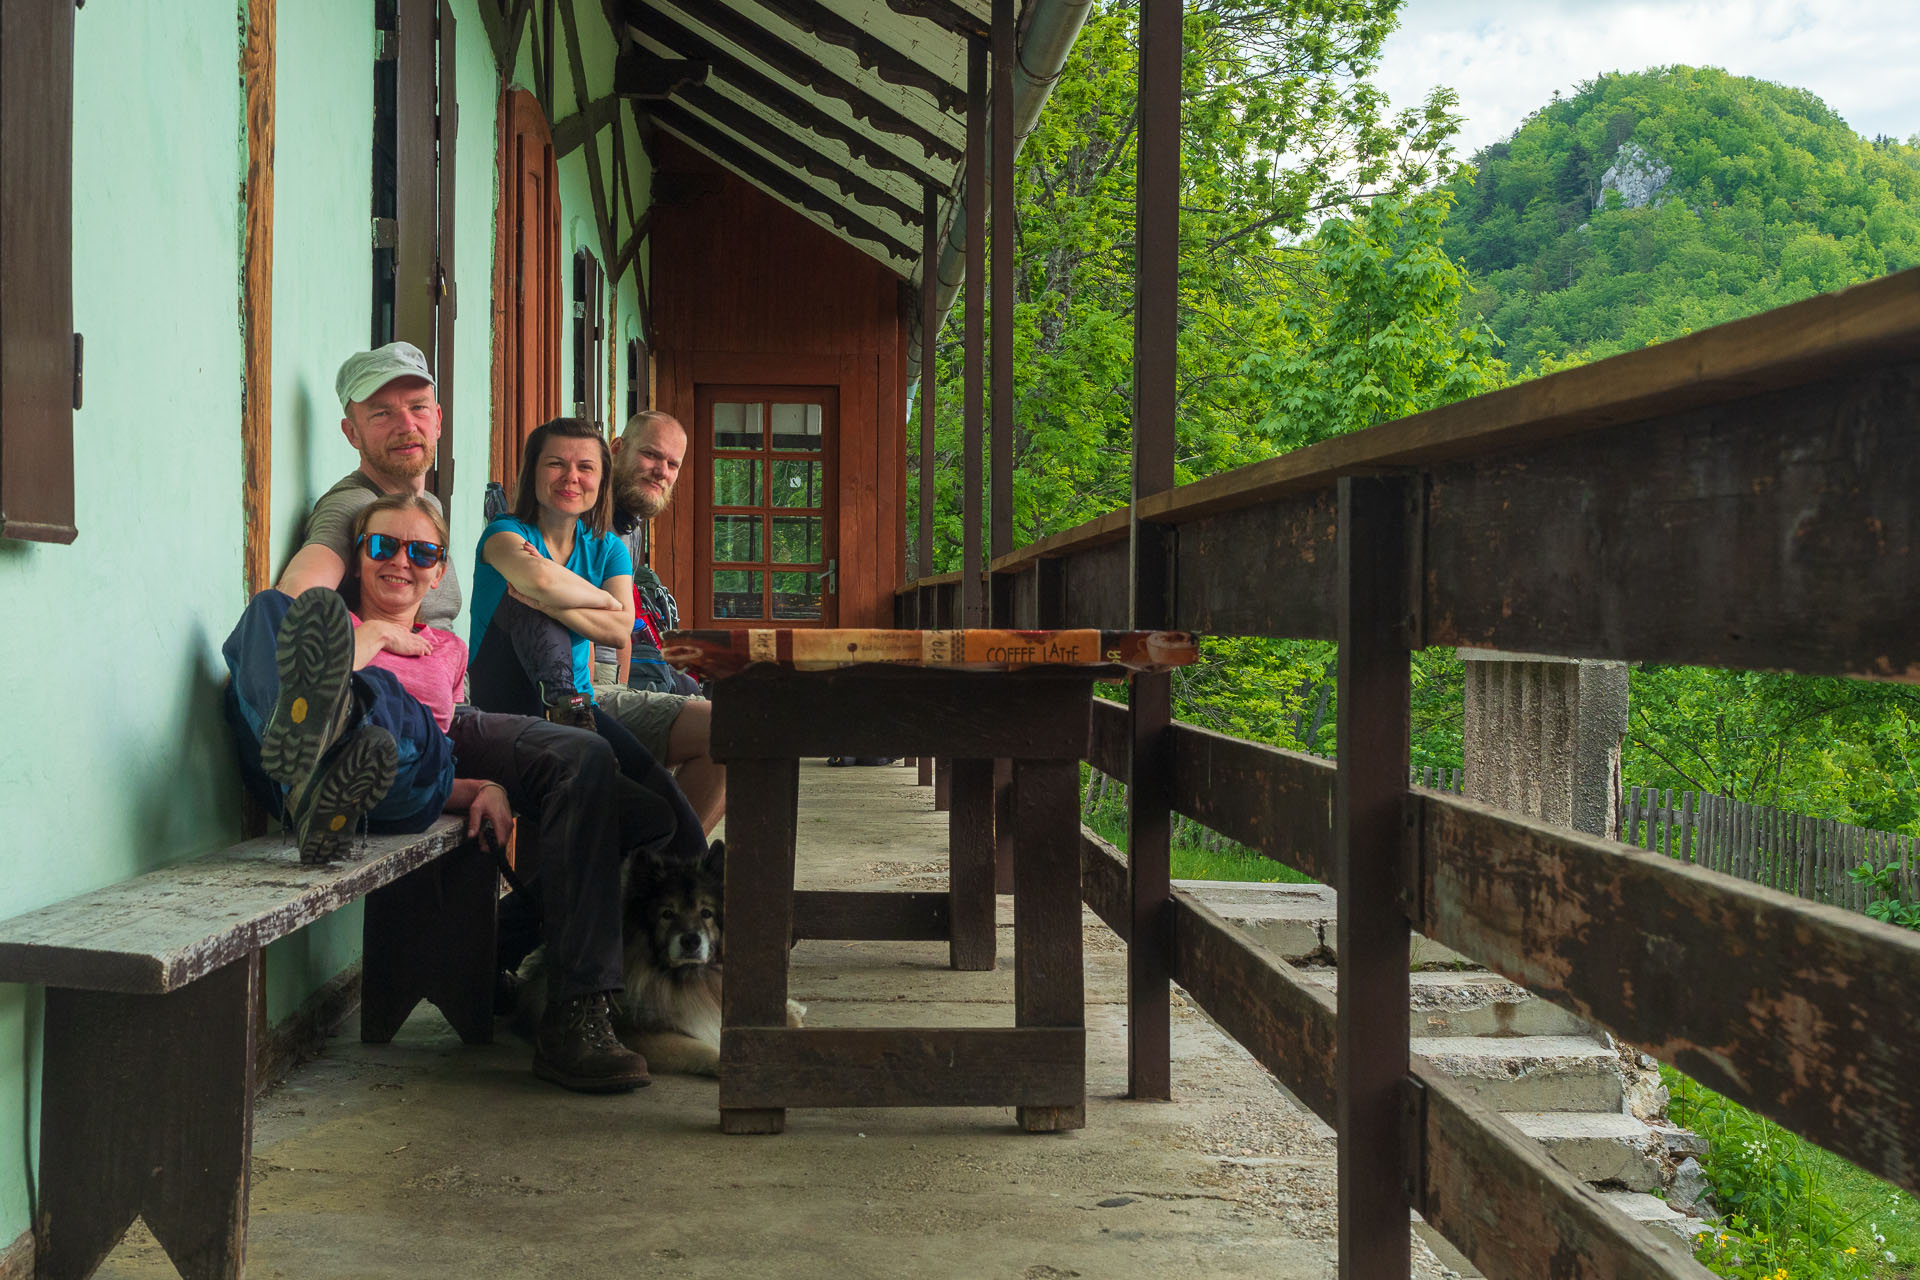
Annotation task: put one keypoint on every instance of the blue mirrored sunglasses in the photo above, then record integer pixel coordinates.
(384, 546)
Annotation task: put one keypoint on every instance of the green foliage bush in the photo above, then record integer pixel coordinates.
(1782, 1217)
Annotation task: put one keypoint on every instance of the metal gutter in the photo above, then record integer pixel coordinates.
(1052, 27)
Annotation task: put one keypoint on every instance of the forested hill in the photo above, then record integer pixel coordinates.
(1653, 204)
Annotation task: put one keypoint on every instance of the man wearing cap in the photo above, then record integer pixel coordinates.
(393, 419)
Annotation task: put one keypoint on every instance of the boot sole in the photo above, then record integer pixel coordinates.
(348, 787)
(314, 656)
(589, 1084)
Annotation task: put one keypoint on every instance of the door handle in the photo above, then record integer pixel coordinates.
(830, 580)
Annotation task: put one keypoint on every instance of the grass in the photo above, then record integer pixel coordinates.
(1191, 862)
(1792, 1210)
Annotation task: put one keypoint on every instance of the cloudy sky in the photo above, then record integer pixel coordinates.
(1506, 57)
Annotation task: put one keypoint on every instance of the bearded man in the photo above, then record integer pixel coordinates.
(393, 421)
(634, 683)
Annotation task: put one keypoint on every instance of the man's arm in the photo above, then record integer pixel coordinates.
(314, 565)
(328, 547)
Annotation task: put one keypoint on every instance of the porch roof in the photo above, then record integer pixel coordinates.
(850, 112)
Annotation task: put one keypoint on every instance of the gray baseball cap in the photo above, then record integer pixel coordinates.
(367, 372)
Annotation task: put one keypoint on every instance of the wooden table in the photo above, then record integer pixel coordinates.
(764, 719)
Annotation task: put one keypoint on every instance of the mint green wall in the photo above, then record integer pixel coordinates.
(113, 755)
(322, 313)
(470, 422)
(110, 768)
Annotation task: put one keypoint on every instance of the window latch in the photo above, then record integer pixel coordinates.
(79, 366)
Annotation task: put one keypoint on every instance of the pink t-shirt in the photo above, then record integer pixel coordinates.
(437, 679)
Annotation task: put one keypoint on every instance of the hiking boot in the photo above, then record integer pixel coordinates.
(314, 654)
(576, 1048)
(569, 708)
(342, 791)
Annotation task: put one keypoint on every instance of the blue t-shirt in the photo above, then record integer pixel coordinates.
(596, 557)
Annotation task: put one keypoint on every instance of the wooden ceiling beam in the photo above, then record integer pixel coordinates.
(578, 129)
(944, 14)
(801, 68)
(778, 99)
(771, 178)
(646, 76)
(792, 151)
(874, 55)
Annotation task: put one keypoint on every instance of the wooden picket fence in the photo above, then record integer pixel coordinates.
(1810, 857)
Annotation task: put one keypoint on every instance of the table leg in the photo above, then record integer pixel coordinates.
(1048, 978)
(1003, 826)
(148, 1110)
(759, 903)
(970, 835)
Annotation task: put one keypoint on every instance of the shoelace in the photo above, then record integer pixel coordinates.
(593, 1020)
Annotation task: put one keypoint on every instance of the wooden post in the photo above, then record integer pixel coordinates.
(1372, 874)
(1000, 287)
(972, 607)
(929, 368)
(1155, 344)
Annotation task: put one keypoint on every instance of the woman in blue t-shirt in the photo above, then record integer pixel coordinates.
(550, 579)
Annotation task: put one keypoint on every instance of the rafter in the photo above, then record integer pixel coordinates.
(781, 101)
(945, 14)
(771, 178)
(640, 73)
(801, 68)
(596, 174)
(626, 170)
(795, 153)
(578, 129)
(634, 241)
(873, 54)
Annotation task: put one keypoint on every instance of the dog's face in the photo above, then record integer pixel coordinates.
(676, 908)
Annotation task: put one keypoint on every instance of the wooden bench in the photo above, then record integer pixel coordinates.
(152, 989)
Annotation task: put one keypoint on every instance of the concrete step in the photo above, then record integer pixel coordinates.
(1529, 1073)
(1473, 1003)
(1296, 921)
(1655, 1213)
(1602, 1147)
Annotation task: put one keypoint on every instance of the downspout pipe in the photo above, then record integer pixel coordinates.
(1052, 27)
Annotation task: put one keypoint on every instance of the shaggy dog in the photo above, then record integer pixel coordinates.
(673, 921)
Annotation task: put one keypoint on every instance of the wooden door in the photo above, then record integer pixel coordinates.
(767, 508)
(526, 294)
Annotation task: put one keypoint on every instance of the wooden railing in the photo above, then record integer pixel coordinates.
(1767, 473)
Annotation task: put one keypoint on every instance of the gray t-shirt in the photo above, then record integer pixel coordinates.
(331, 525)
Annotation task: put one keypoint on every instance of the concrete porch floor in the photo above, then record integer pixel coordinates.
(427, 1158)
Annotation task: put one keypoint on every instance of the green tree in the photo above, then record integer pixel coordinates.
(1769, 198)
(1281, 129)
